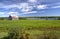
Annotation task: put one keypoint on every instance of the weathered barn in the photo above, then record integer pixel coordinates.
(14, 17)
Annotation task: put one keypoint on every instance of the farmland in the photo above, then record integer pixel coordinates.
(33, 27)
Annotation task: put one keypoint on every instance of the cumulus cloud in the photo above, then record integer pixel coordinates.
(26, 9)
(27, 6)
(42, 7)
(23, 6)
(12, 13)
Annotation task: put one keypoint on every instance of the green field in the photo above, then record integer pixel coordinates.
(28, 23)
(36, 27)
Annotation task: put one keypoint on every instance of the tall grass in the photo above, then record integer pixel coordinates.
(7, 24)
(34, 27)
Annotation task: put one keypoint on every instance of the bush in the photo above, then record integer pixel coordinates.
(50, 35)
(14, 33)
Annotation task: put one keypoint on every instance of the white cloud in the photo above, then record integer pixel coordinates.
(20, 5)
(42, 7)
(26, 9)
(23, 6)
(56, 7)
(2, 13)
(10, 6)
(29, 12)
(13, 13)
(32, 1)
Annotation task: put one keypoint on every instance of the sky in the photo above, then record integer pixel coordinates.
(29, 8)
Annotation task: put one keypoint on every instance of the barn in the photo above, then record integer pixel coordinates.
(13, 17)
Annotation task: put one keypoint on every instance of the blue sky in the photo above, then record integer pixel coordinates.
(29, 8)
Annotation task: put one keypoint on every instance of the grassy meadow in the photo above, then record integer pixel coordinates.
(36, 28)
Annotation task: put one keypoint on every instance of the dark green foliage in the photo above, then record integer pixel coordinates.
(58, 18)
(22, 18)
(1, 18)
(13, 34)
(10, 17)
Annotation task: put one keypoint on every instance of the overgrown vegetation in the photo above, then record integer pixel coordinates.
(35, 29)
